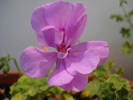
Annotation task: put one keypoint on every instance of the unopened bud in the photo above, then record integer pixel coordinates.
(1, 65)
(6, 69)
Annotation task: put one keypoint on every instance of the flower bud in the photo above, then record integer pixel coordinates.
(1, 65)
(6, 69)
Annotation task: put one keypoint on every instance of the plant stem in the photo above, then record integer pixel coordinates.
(128, 17)
(17, 66)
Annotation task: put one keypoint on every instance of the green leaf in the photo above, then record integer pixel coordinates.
(94, 87)
(100, 72)
(117, 82)
(66, 96)
(110, 64)
(32, 91)
(123, 2)
(105, 97)
(29, 87)
(122, 94)
(125, 32)
(6, 98)
(106, 88)
(18, 96)
(24, 79)
(130, 13)
(44, 88)
(50, 98)
(131, 96)
(1, 65)
(132, 45)
(120, 71)
(14, 89)
(85, 93)
(55, 90)
(127, 48)
(118, 18)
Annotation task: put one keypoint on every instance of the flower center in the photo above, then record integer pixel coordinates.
(63, 51)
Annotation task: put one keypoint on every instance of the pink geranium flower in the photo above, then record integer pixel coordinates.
(59, 25)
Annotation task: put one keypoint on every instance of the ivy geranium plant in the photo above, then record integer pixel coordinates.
(5, 66)
(59, 25)
(102, 85)
(126, 32)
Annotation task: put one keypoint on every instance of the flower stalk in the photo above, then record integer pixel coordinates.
(4, 64)
(127, 16)
(17, 66)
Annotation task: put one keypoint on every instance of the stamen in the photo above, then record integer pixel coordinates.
(45, 48)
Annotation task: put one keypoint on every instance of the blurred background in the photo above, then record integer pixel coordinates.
(16, 32)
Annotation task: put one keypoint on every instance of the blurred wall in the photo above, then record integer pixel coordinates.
(16, 32)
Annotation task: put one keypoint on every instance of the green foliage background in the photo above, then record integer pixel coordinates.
(126, 32)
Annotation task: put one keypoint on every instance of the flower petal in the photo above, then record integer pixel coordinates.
(81, 62)
(50, 37)
(60, 76)
(59, 14)
(75, 31)
(36, 63)
(100, 47)
(79, 10)
(37, 20)
(77, 84)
